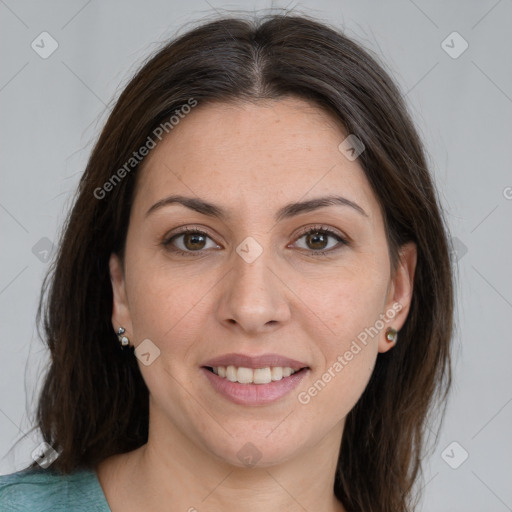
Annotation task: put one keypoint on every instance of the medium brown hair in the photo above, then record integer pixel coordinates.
(94, 402)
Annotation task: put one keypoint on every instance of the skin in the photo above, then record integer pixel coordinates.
(250, 159)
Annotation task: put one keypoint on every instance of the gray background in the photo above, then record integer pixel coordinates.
(52, 109)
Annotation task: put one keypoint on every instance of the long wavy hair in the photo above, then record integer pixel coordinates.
(94, 403)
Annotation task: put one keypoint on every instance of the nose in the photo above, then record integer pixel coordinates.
(253, 296)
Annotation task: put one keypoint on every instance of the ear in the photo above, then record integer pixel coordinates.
(399, 297)
(120, 310)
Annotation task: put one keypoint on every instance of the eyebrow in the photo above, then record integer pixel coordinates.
(287, 211)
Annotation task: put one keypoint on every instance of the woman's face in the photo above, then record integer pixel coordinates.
(253, 284)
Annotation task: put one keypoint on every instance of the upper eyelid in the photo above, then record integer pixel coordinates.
(330, 231)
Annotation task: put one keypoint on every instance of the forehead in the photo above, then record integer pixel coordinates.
(254, 154)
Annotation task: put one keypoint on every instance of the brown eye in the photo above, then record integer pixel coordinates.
(189, 241)
(194, 241)
(317, 240)
(320, 241)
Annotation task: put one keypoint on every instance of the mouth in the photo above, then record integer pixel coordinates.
(254, 380)
(254, 369)
(264, 375)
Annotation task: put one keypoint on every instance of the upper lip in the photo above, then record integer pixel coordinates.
(261, 361)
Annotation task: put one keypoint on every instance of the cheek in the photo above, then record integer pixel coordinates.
(346, 310)
(160, 299)
(334, 391)
(347, 353)
(345, 303)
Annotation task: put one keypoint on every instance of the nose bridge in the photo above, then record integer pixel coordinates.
(252, 274)
(253, 295)
(250, 267)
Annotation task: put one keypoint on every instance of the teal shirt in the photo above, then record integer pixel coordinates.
(41, 490)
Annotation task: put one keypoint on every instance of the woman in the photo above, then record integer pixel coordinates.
(252, 302)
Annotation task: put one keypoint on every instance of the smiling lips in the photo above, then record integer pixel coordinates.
(254, 370)
(254, 380)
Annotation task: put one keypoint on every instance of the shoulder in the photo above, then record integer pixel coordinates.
(38, 490)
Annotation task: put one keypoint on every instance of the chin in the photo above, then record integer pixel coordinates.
(256, 451)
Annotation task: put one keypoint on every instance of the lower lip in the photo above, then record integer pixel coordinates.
(254, 394)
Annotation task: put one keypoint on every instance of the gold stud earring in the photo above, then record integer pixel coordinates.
(391, 334)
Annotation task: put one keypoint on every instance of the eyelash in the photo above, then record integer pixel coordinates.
(167, 243)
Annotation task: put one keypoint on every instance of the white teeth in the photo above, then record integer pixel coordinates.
(262, 376)
(244, 375)
(277, 373)
(231, 373)
(253, 376)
